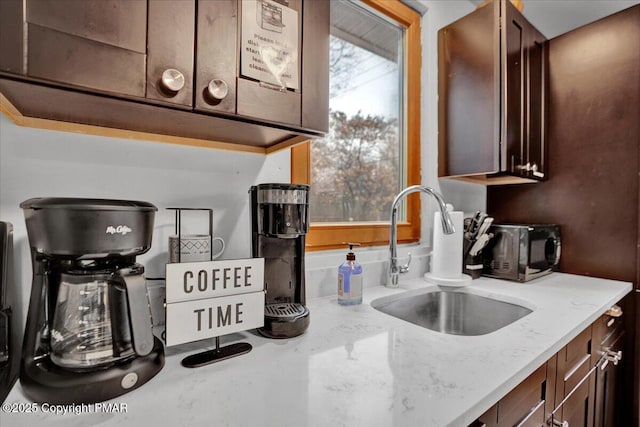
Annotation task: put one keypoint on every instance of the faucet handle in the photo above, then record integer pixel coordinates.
(405, 268)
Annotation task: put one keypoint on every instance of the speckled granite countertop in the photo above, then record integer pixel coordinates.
(356, 366)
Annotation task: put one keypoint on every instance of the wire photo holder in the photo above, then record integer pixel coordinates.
(207, 298)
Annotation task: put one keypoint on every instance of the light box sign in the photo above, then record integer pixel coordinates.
(213, 298)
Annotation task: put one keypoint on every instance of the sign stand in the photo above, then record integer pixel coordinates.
(219, 353)
(216, 355)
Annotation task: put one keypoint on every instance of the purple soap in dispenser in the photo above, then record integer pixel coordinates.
(350, 279)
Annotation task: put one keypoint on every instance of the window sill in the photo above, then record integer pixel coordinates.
(322, 267)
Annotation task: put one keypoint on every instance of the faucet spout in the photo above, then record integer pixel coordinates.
(447, 226)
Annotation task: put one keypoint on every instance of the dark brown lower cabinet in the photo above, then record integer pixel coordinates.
(523, 406)
(607, 383)
(574, 383)
(609, 337)
(575, 388)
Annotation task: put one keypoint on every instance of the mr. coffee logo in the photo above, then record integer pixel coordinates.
(120, 229)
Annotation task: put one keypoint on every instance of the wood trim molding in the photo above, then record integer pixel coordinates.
(301, 163)
(19, 119)
(332, 235)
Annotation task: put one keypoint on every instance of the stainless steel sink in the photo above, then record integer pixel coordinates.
(456, 313)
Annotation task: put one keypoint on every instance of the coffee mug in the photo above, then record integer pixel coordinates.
(193, 248)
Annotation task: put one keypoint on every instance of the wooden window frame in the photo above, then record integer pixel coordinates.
(332, 235)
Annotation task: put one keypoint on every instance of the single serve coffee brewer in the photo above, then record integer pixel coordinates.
(279, 223)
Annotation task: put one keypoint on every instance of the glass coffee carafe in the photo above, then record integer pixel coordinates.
(91, 324)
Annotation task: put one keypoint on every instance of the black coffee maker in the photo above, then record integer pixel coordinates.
(88, 336)
(279, 223)
(10, 334)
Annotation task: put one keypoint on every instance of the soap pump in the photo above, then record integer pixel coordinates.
(350, 279)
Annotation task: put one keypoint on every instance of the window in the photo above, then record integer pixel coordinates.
(372, 149)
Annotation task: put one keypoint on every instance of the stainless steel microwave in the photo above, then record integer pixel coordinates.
(522, 252)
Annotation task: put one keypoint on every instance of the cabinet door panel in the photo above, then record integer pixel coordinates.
(469, 94)
(537, 94)
(171, 46)
(575, 382)
(98, 44)
(69, 59)
(263, 102)
(577, 410)
(11, 39)
(514, 84)
(217, 53)
(315, 65)
(120, 23)
(608, 382)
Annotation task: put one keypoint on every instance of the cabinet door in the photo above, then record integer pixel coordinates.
(216, 56)
(315, 65)
(262, 87)
(577, 410)
(514, 83)
(98, 44)
(537, 65)
(575, 382)
(170, 50)
(524, 119)
(469, 94)
(607, 384)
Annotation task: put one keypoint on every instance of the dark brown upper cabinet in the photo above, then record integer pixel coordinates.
(492, 78)
(142, 65)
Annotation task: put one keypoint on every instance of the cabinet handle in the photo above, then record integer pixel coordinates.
(530, 167)
(577, 366)
(217, 89)
(614, 311)
(558, 423)
(568, 395)
(172, 80)
(609, 356)
(530, 414)
(613, 356)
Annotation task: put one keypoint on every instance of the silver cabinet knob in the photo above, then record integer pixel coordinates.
(172, 80)
(217, 89)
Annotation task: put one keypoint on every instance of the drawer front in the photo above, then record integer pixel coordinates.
(522, 400)
(607, 327)
(574, 361)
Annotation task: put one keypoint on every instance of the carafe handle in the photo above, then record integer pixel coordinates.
(139, 313)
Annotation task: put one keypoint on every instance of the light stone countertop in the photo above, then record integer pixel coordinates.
(356, 366)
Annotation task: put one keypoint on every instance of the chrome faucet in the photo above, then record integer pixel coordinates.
(447, 226)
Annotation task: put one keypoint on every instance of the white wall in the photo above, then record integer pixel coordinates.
(465, 197)
(41, 163)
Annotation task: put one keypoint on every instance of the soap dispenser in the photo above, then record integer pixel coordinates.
(350, 279)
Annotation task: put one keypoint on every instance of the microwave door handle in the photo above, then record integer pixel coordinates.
(552, 251)
(558, 250)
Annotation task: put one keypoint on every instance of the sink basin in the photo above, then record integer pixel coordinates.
(449, 312)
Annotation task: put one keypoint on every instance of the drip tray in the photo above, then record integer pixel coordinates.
(285, 310)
